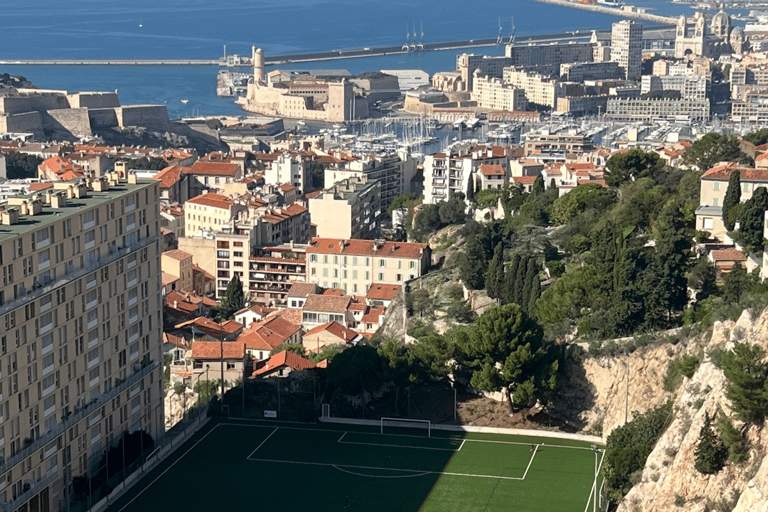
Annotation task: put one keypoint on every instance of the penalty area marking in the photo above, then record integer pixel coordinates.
(415, 472)
(264, 441)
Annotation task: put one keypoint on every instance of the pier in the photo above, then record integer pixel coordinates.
(644, 16)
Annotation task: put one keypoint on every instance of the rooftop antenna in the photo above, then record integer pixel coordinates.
(512, 35)
(500, 38)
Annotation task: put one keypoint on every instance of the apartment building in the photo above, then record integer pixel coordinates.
(547, 58)
(555, 147)
(690, 87)
(653, 109)
(752, 105)
(582, 71)
(81, 339)
(491, 92)
(289, 167)
(178, 263)
(353, 265)
(469, 63)
(627, 47)
(539, 89)
(714, 184)
(448, 173)
(350, 208)
(210, 212)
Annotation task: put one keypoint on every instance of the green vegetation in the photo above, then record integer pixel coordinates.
(628, 448)
(732, 200)
(684, 366)
(20, 166)
(746, 372)
(233, 301)
(150, 163)
(710, 452)
(714, 148)
(733, 439)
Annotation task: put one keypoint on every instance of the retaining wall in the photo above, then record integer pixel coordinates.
(484, 430)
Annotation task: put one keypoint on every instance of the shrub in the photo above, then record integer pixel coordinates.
(679, 500)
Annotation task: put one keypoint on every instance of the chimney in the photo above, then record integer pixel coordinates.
(59, 200)
(132, 179)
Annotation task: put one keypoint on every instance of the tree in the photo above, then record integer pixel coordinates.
(21, 165)
(506, 352)
(632, 165)
(494, 279)
(296, 348)
(575, 291)
(471, 189)
(538, 186)
(429, 357)
(588, 195)
(453, 211)
(713, 148)
(180, 390)
(735, 283)
(703, 279)
(710, 452)
(751, 227)
(732, 438)
(356, 370)
(233, 301)
(745, 370)
(427, 221)
(732, 198)
(423, 302)
(668, 287)
(472, 267)
(403, 201)
(151, 163)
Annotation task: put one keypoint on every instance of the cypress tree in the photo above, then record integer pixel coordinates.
(494, 280)
(472, 265)
(471, 189)
(553, 186)
(732, 439)
(732, 198)
(531, 275)
(735, 283)
(511, 279)
(710, 452)
(535, 294)
(538, 186)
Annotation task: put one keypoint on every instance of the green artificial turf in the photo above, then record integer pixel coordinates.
(266, 467)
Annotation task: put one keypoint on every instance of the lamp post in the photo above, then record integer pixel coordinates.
(594, 495)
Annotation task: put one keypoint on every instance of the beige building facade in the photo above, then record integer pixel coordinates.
(81, 339)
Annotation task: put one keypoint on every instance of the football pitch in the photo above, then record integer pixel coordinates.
(327, 467)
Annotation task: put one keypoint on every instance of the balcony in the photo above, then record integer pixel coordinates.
(33, 488)
(71, 420)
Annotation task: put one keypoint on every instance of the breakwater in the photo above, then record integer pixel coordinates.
(644, 16)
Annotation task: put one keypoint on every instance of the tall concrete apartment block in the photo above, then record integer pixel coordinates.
(627, 47)
(80, 333)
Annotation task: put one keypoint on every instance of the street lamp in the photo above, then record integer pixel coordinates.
(594, 487)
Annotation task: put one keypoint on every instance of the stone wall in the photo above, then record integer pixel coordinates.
(151, 116)
(27, 122)
(102, 117)
(72, 120)
(93, 100)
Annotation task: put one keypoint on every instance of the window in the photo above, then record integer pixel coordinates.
(382, 263)
(715, 201)
(708, 223)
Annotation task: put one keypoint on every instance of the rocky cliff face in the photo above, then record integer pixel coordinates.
(669, 480)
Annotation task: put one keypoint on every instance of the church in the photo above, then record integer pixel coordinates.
(694, 36)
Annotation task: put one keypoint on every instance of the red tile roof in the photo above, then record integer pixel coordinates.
(211, 328)
(293, 315)
(302, 290)
(202, 168)
(327, 303)
(212, 350)
(728, 255)
(491, 170)
(282, 360)
(722, 172)
(170, 175)
(37, 187)
(177, 254)
(355, 247)
(336, 329)
(373, 315)
(524, 180)
(268, 334)
(176, 341)
(214, 200)
(379, 291)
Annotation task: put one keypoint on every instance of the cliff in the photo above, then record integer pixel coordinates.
(596, 400)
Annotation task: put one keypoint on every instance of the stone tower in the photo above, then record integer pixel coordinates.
(259, 76)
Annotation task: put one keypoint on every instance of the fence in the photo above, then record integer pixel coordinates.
(96, 492)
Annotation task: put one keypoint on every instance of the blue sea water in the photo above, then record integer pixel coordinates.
(90, 29)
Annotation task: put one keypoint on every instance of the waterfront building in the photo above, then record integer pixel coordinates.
(583, 105)
(556, 147)
(492, 93)
(81, 342)
(653, 109)
(627, 47)
(693, 36)
(539, 89)
(547, 58)
(583, 71)
(354, 265)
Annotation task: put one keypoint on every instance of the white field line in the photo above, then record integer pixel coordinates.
(264, 441)
(374, 476)
(342, 437)
(594, 483)
(462, 445)
(416, 472)
(400, 446)
(536, 448)
(167, 469)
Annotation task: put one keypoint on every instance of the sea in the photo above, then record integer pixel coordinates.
(200, 29)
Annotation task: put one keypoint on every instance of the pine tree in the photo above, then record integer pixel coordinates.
(553, 188)
(494, 280)
(710, 452)
(732, 198)
(732, 439)
(746, 373)
(735, 283)
(233, 301)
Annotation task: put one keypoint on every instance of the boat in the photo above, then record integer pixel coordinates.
(185, 101)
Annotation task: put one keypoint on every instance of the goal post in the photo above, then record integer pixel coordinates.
(407, 423)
